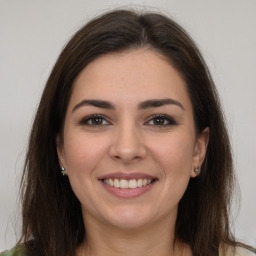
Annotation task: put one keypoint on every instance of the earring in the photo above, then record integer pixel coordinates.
(197, 171)
(63, 171)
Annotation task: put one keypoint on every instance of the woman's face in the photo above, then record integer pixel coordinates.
(129, 144)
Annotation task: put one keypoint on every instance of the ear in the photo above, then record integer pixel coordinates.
(200, 149)
(60, 151)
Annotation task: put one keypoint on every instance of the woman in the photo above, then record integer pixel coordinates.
(128, 153)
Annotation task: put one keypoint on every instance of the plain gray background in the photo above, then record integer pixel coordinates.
(33, 33)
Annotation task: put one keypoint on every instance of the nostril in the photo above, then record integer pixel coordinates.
(127, 146)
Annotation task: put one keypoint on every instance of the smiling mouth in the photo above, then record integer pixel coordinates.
(128, 184)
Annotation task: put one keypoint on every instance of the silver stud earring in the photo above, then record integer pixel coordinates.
(197, 171)
(63, 171)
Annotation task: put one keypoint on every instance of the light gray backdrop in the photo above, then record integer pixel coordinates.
(32, 33)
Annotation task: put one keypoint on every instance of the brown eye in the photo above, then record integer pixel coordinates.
(94, 120)
(161, 120)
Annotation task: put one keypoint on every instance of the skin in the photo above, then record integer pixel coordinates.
(128, 139)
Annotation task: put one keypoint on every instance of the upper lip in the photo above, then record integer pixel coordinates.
(126, 176)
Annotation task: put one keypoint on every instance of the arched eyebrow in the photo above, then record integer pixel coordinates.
(95, 103)
(152, 103)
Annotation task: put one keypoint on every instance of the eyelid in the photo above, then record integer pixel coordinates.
(84, 120)
(170, 119)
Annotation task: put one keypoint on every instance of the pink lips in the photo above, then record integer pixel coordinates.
(126, 176)
(127, 193)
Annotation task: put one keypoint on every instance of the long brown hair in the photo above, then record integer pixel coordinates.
(52, 219)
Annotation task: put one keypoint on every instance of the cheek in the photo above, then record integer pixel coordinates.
(83, 153)
(174, 156)
(174, 152)
(83, 156)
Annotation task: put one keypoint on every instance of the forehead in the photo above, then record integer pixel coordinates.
(133, 75)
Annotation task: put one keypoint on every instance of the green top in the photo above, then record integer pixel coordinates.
(14, 252)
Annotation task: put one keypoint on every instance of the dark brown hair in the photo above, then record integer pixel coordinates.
(52, 219)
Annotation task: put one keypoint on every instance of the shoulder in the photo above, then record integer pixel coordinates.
(14, 252)
(238, 251)
(243, 252)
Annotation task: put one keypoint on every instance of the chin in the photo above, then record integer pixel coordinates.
(130, 218)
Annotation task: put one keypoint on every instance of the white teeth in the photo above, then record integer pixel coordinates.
(110, 182)
(132, 184)
(139, 183)
(116, 183)
(124, 183)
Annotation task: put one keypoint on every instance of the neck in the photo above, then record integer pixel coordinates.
(151, 240)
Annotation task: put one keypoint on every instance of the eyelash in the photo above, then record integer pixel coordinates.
(165, 119)
(88, 119)
(168, 121)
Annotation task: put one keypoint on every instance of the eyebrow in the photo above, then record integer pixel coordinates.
(153, 103)
(95, 103)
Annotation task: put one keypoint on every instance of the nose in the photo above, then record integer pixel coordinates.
(127, 145)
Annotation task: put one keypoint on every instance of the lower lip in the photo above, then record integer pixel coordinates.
(128, 192)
